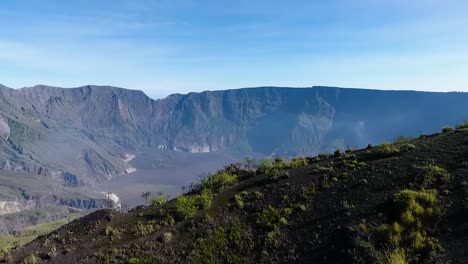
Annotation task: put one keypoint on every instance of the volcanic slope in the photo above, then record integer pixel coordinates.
(405, 202)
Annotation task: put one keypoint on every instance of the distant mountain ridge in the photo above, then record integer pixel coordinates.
(80, 136)
(267, 120)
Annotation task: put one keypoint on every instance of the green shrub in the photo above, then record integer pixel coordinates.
(204, 199)
(298, 162)
(4, 253)
(223, 244)
(239, 201)
(432, 174)
(186, 206)
(145, 228)
(325, 182)
(258, 195)
(167, 237)
(447, 129)
(145, 260)
(113, 233)
(417, 211)
(272, 218)
(273, 169)
(134, 261)
(162, 199)
(463, 125)
(397, 256)
(219, 181)
(384, 150)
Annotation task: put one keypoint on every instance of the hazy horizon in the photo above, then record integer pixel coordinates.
(238, 88)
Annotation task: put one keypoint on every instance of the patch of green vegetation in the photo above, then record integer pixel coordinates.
(417, 212)
(308, 193)
(142, 228)
(239, 201)
(463, 125)
(223, 244)
(323, 169)
(298, 162)
(350, 166)
(186, 206)
(204, 199)
(167, 237)
(218, 182)
(276, 168)
(113, 233)
(384, 150)
(272, 218)
(160, 200)
(397, 256)
(447, 129)
(430, 175)
(273, 169)
(325, 183)
(147, 260)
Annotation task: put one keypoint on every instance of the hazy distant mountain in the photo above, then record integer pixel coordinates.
(83, 135)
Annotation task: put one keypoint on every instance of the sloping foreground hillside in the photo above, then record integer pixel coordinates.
(405, 202)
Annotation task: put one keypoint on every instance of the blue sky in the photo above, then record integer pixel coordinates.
(172, 46)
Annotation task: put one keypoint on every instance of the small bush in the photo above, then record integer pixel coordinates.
(384, 150)
(162, 199)
(273, 169)
(430, 175)
(239, 201)
(204, 199)
(418, 211)
(167, 237)
(144, 229)
(223, 244)
(447, 129)
(113, 233)
(144, 261)
(186, 206)
(397, 256)
(219, 181)
(463, 125)
(272, 218)
(298, 162)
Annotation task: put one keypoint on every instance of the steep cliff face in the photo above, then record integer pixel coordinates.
(81, 135)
